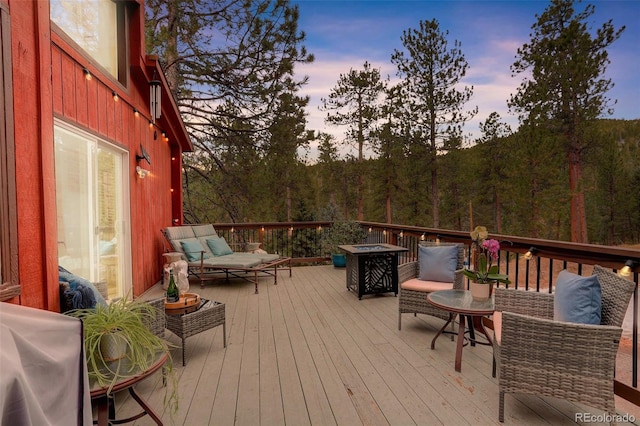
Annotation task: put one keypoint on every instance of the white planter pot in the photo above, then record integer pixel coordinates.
(113, 346)
(480, 291)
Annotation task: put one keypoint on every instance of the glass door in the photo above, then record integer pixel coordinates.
(92, 209)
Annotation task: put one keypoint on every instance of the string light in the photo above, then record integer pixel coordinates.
(529, 255)
(116, 98)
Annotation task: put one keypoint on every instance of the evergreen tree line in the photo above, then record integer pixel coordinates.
(565, 174)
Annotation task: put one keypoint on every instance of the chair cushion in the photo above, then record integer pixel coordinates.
(234, 260)
(497, 326)
(577, 299)
(179, 232)
(219, 246)
(204, 230)
(416, 284)
(437, 263)
(192, 249)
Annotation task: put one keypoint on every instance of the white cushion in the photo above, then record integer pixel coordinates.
(204, 230)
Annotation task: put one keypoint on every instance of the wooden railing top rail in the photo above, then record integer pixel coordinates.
(613, 257)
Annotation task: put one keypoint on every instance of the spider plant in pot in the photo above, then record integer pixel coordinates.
(120, 344)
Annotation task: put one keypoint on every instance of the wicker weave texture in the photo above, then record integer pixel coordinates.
(415, 302)
(157, 323)
(571, 361)
(211, 314)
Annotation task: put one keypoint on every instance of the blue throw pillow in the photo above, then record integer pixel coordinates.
(437, 263)
(77, 283)
(193, 249)
(577, 299)
(219, 246)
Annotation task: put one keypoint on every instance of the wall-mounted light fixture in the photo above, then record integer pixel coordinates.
(144, 155)
(528, 255)
(142, 173)
(116, 98)
(155, 96)
(87, 74)
(626, 269)
(135, 112)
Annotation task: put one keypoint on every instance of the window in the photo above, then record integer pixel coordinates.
(8, 220)
(93, 25)
(92, 208)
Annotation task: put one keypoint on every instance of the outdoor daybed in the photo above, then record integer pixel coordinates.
(207, 253)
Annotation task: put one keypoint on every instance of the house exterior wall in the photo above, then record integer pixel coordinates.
(49, 82)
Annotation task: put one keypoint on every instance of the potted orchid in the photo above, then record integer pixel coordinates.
(485, 273)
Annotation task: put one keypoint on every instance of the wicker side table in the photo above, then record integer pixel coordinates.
(208, 315)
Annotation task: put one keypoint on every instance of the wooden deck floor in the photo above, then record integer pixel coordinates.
(308, 352)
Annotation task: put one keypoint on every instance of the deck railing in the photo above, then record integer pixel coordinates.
(302, 242)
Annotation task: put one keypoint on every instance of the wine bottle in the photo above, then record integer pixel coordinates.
(173, 294)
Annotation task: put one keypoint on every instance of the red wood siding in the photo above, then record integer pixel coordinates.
(89, 104)
(49, 81)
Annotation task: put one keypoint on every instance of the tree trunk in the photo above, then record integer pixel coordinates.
(171, 72)
(360, 198)
(388, 208)
(434, 193)
(498, 217)
(288, 203)
(578, 215)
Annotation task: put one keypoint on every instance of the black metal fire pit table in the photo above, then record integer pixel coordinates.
(372, 268)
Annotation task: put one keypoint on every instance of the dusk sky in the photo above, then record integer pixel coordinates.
(344, 34)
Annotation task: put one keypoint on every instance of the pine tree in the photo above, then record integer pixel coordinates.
(566, 90)
(432, 73)
(354, 102)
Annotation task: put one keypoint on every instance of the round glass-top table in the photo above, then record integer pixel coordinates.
(460, 302)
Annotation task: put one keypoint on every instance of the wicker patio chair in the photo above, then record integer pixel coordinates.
(571, 361)
(414, 301)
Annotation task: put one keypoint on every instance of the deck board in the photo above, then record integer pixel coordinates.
(308, 352)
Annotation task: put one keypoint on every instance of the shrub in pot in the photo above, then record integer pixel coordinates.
(341, 233)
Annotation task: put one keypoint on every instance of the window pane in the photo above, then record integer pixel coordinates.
(74, 200)
(93, 231)
(93, 25)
